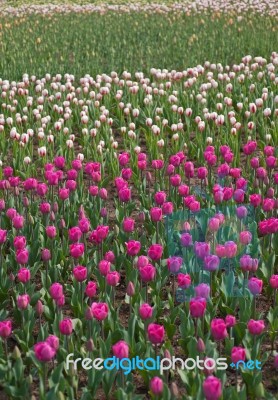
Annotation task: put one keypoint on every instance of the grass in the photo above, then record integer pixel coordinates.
(93, 43)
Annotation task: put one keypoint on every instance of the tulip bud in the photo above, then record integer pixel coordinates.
(266, 180)
(141, 216)
(39, 307)
(130, 290)
(30, 219)
(55, 207)
(103, 212)
(201, 346)
(88, 314)
(29, 379)
(174, 390)
(61, 396)
(116, 230)
(62, 224)
(256, 183)
(16, 353)
(148, 176)
(167, 354)
(11, 277)
(259, 391)
(90, 345)
(186, 226)
(52, 216)
(25, 201)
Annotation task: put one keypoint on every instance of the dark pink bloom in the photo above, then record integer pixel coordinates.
(23, 301)
(156, 333)
(99, 310)
(218, 329)
(145, 311)
(24, 275)
(197, 307)
(120, 349)
(65, 326)
(80, 273)
(44, 352)
(133, 247)
(5, 329)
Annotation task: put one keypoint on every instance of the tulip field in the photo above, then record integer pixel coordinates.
(139, 201)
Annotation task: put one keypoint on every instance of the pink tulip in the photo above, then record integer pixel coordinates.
(5, 329)
(160, 198)
(202, 249)
(155, 253)
(212, 388)
(274, 281)
(11, 213)
(156, 333)
(22, 256)
(103, 194)
(45, 255)
(128, 225)
(145, 311)
(77, 250)
(255, 286)
(91, 289)
(230, 249)
(230, 321)
(174, 264)
(220, 250)
(23, 301)
(156, 385)
(3, 236)
(44, 352)
(214, 224)
(53, 341)
(202, 290)
(102, 232)
(80, 273)
(65, 326)
(130, 290)
(197, 307)
(75, 234)
(142, 261)
(104, 267)
(167, 208)
(45, 208)
(113, 278)
(51, 231)
(218, 329)
(99, 310)
(109, 256)
(24, 275)
(125, 195)
(211, 262)
(133, 247)
(84, 225)
(156, 214)
(56, 291)
(184, 281)
(120, 349)
(245, 237)
(147, 273)
(238, 354)
(18, 222)
(255, 327)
